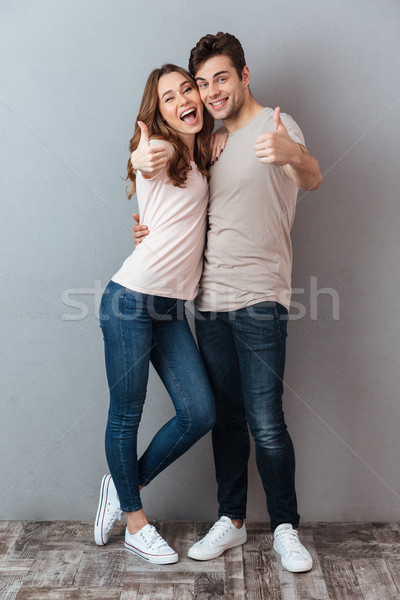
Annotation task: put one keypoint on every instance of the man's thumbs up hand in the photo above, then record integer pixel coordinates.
(279, 126)
(147, 158)
(276, 147)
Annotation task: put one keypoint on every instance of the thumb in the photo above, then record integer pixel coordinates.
(144, 135)
(136, 217)
(279, 126)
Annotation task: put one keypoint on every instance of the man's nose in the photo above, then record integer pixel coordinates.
(213, 90)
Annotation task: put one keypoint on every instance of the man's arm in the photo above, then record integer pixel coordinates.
(139, 232)
(278, 148)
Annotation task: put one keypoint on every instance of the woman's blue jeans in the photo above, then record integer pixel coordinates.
(244, 355)
(139, 328)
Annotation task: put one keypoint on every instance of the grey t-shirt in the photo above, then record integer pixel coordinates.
(248, 256)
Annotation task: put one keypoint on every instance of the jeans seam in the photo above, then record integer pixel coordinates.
(121, 300)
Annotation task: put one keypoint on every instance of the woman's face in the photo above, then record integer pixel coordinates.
(180, 104)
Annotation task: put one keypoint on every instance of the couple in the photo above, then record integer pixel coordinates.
(235, 380)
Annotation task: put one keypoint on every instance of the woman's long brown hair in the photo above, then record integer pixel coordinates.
(149, 113)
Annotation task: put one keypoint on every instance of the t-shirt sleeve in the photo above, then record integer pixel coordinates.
(293, 129)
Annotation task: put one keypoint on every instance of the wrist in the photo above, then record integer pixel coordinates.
(298, 155)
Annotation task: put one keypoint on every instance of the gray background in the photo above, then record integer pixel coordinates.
(72, 75)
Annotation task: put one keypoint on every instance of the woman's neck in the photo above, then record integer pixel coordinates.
(188, 139)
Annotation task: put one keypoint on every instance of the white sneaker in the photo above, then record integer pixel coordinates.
(222, 535)
(295, 557)
(148, 544)
(108, 511)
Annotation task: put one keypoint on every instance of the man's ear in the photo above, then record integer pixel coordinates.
(246, 76)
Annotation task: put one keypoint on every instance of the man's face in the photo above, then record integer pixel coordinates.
(221, 90)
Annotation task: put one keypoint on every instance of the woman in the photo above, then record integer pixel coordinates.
(142, 309)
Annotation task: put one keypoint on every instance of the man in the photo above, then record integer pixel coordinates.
(242, 306)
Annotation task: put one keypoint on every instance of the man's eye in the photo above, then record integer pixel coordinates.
(202, 85)
(221, 79)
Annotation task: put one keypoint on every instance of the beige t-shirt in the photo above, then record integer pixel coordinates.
(169, 260)
(248, 256)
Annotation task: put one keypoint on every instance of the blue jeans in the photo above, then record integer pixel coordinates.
(138, 328)
(244, 355)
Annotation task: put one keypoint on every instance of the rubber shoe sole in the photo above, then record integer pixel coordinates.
(153, 558)
(98, 524)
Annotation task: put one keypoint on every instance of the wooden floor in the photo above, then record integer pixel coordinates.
(59, 560)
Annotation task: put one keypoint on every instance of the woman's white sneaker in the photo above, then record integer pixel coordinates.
(108, 511)
(295, 557)
(222, 535)
(149, 545)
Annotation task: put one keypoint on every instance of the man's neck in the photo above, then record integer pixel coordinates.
(248, 111)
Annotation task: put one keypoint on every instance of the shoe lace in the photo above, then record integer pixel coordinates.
(113, 517)
(154, 539)
(289, 538)
(217, 531)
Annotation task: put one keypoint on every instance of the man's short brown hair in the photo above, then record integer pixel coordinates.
(213, 45)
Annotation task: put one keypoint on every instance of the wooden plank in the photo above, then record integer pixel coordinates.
(375, 581)
(68, 593)
(15, 566)
(153, 591)
(388, 538)
(9, 586)
(234, 573)
(67, 535)
(53, 569)
(310, 585)
(185, 591)
(393, 566)
(129, 591)
(386, 533)
(338, 540)
(9, 533)
(209, 586)
(102, 567)
(182, 584)
(340, 579)
(167, 576)
(30, 539)
(260, 569)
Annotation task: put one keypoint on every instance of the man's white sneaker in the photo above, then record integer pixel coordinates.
(222, 535)
(108, 511)
(295, 557)
(148, 544)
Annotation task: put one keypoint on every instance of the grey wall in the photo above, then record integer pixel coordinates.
(72, 75)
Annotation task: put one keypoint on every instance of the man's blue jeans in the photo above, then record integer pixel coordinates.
(244, 355)
(138, 328)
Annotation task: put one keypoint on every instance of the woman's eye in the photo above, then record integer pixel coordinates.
(168, 99)
(188, 89)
